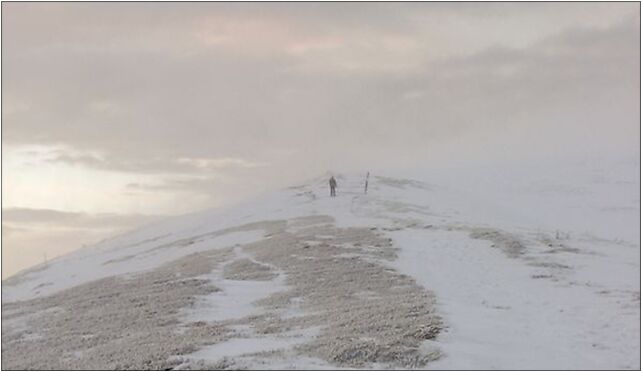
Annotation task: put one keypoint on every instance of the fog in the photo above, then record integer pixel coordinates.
(142, 110)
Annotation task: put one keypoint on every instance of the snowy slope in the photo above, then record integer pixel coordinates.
(525, 268)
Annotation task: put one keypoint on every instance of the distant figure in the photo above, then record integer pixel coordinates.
(333, 186)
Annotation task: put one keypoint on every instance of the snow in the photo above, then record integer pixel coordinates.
(571, 308)
(235, 298)
(77, 268)
(499, 317)
(239, 346)
(253, 344)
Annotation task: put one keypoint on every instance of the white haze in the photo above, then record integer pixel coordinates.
(137, 110)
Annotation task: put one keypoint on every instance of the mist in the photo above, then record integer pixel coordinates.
(149, 109)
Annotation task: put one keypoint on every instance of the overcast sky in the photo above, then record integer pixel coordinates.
(117, 113)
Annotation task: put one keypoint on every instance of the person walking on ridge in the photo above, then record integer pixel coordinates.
(333, 186)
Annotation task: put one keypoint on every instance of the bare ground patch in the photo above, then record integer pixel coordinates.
(112, 323)
(246, 269)
(508, 243)
(368, 314)
(355, 311)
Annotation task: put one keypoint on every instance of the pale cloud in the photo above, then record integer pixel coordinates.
(49, 218)
(326, 70)
(249, 34)
(60, 177)
(217, 163)
(166, 108)
(111, 162)
(12, 108)
(103, 106)
(33, 235)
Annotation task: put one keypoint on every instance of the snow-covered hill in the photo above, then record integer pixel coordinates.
(483, 269)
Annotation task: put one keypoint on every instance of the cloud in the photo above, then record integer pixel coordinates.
(195, 190)
(185, 106)
(217, 163)
(32, 235)
(159, 165)
(27, 218)
(339, 85)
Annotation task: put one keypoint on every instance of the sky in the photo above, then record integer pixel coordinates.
(115, 115)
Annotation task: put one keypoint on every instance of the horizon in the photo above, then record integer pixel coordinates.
(118, 114)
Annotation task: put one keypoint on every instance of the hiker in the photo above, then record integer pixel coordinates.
(333, 186)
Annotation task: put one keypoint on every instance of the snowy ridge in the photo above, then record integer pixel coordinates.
(488, 270)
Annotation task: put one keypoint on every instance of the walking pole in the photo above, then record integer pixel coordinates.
(365, 190)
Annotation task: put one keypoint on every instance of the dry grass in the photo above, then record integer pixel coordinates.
(367, 313)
